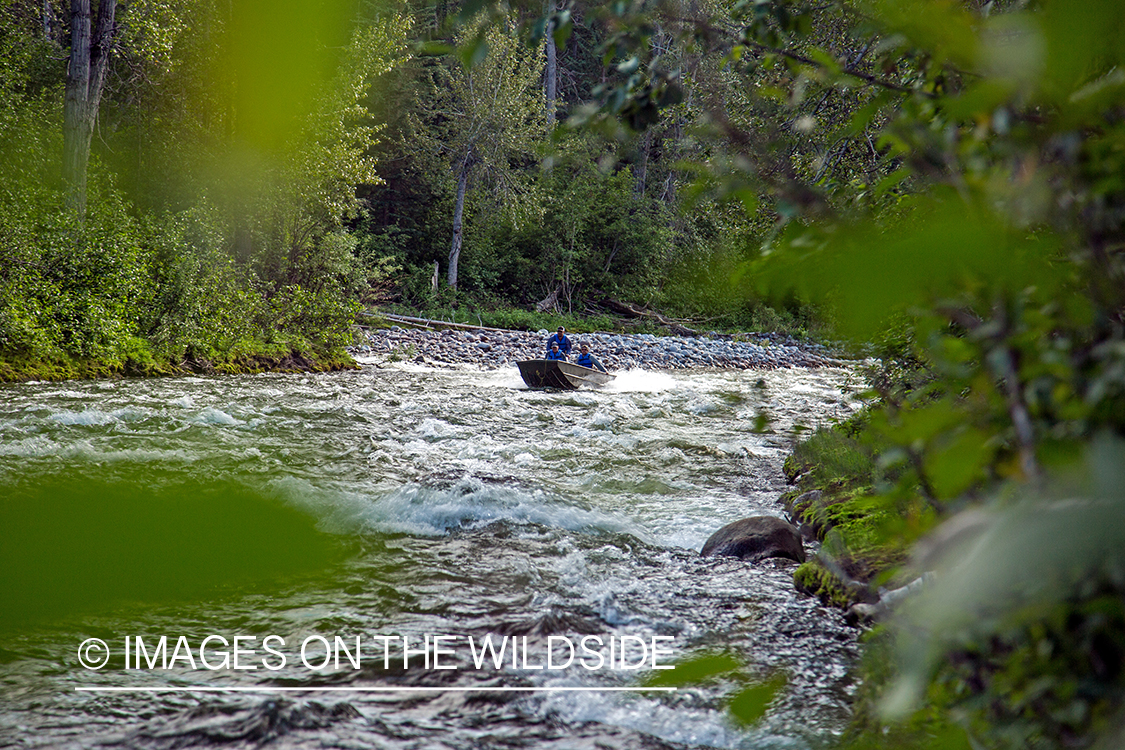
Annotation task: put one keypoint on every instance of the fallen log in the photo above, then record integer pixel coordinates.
(628, 310)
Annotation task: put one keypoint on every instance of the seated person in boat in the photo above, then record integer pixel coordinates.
(556, 353)
(560, 338)
(588, 360)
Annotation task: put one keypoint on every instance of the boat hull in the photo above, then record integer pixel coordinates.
(554, 373)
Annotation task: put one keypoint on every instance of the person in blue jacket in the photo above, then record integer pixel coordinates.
(588, 360)
(555, 352)
(560, 339)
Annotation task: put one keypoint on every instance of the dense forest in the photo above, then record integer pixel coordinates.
(939, 183)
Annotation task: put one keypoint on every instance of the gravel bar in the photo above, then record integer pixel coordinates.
(496, 349)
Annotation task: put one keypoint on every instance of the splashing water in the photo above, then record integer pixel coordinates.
(402, 502)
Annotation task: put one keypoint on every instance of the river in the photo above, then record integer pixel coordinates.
(395, 503)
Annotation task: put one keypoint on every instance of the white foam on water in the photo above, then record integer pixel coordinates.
(703, 406)
(640, 381)
(427, 511)
(694, 727)
(33, 447)
(213, 416)
(88, 417)
(602, 419)
(508, 377)
(60, 394)
(436, 429)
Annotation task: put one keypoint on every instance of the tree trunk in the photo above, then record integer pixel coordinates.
(550, 75)
(458, 212)
(89, 60)
(640, 167)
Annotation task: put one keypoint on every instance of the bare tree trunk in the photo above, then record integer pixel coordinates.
(74, 107)
(550, 302)
(550, 75)
(89, 60)
(458, 213)
(640, 168)
(669, 193)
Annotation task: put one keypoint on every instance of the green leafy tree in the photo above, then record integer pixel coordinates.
(482, 123)
(220, 177)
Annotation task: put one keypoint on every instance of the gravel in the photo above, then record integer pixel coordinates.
(496, 349)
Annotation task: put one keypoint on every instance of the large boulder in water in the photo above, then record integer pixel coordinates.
(756, 538)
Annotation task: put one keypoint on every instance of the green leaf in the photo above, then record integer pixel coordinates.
(825, 59)
(956, 465)
(538, 29)
(671, 95)
(979, 99)
(749, 199)
(947, 30)
(433, 49)
(749, 705)
(1084, 39)
(863, 117)
(889, 182)
(474, 51)
(470, 8)
(947, 249)
(695, 670)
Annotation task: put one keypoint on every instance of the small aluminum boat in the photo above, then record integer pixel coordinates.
(556, 373)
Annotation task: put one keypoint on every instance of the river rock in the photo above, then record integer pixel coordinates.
(617, 351)
(756, 538)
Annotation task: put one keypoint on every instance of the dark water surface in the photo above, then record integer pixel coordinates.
(401, 503)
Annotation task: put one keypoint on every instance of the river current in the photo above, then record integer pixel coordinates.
(393, 503)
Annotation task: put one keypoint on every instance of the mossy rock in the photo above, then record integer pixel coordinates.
(856, 516)
(865, 569)
(814, 579)
(793, 469)
(821, 510)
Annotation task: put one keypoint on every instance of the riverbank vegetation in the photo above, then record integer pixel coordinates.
(941, 182)
(184, 197)
(979, 255)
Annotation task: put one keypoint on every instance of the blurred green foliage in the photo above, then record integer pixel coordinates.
(225, 166)
(944, 180)
(88, 542)
(751, 697)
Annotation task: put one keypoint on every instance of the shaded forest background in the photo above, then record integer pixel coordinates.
(938, 182)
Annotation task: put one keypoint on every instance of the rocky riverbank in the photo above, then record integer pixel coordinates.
(491, 349)
(22, 369)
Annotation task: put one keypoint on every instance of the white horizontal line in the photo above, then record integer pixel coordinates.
(201, 689)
